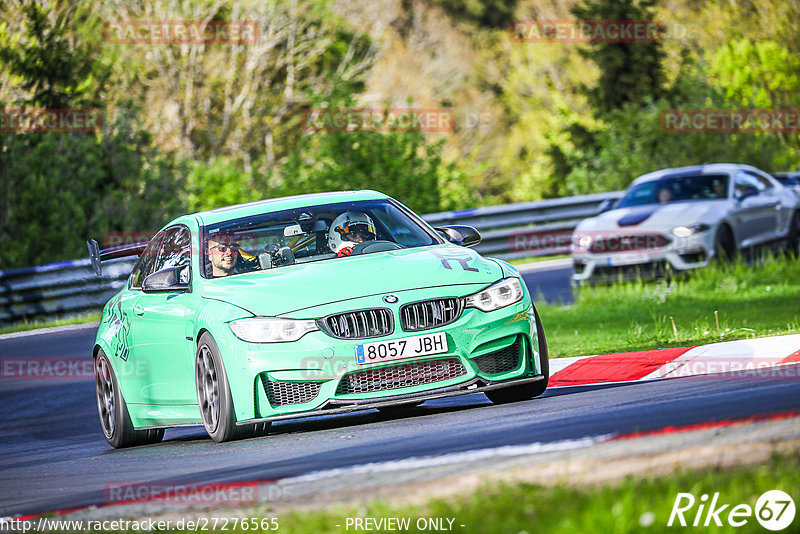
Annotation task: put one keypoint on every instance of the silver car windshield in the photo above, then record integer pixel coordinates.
(275, 240)
(677, 189)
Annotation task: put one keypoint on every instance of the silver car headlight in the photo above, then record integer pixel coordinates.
(272, 329)
(686, 231)
(503, 293)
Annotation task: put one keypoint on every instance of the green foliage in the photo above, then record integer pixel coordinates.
(629, 72)
(54, 66)
(221, 183)
(399, 164)
(487, 13)
(60, 189)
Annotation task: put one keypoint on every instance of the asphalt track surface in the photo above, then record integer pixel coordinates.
(53, 455)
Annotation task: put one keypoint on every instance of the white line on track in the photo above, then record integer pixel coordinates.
(452, 458)
(544, 265)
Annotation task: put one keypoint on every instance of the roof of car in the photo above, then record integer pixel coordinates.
(237, 211)
(711, 168)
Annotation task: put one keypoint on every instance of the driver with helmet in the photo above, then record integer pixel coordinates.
(348, 230)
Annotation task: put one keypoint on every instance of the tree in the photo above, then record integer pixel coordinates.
(629, 72)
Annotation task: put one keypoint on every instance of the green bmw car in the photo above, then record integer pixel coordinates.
(307, 305)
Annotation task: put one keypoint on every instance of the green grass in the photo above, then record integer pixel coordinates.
(631, 505)
(751, 301)
(33, 325)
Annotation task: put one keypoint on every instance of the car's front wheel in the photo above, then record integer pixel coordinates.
(214, 396)
(724, 244)
(793, 238)
(534, 389)
(114, 418)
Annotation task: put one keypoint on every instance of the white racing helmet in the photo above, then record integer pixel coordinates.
(347, 224)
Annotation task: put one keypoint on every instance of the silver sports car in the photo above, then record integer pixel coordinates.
(682, 218)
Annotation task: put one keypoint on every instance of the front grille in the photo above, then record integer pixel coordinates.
(285, 393)
(359, 324)
(400, 376)
(627, 243)
(640, 271)
(428, 314)
(499, 361)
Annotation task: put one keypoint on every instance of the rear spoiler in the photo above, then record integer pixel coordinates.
(96, 255)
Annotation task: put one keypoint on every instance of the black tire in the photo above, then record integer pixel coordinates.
(214, 396)
(724, 245)
(793, 237)
(534, 389)
(115, 421)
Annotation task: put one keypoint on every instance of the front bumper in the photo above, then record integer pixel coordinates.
(476, 385)
(679, 255)
(316, 365)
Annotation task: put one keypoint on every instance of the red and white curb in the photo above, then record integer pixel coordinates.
(764, 356)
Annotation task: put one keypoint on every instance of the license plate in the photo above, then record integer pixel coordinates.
(397, 349)
(627, 259)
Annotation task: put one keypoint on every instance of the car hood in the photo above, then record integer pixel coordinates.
(297, 287)
(655, 216)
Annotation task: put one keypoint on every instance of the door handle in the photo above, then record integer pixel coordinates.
(138, 310)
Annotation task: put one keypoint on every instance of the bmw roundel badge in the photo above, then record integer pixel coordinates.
(390, 299)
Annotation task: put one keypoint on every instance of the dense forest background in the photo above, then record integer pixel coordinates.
(194, 126)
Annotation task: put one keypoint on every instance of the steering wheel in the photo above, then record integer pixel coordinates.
(368, 247)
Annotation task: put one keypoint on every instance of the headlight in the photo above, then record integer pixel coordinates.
(503, 293)
(272, 329)
(686, 231)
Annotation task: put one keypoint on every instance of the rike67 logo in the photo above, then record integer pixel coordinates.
(774, 510)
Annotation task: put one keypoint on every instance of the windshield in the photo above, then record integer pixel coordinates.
(316, 233)
(677, 189)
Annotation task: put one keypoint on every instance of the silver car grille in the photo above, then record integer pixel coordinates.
(499, 361)
(360, 324)
(400, 376)
(286, 393)
(428, 314)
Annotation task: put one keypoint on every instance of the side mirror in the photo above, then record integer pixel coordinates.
(745, 192)
(169, 279)
(465, 236)
(606, 205)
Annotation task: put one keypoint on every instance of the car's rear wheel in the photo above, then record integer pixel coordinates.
(534, 389)
(114, 417)
(724, 244)
(214, 396)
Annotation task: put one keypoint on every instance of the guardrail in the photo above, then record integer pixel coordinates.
(509, 231)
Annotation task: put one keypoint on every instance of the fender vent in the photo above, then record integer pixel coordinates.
(286, 393)
(499, 361)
